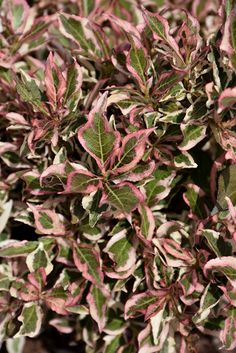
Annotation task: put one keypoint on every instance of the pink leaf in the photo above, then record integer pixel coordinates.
(47, 221)
(54, 91)
(132, 150)
(82, 181)
(97, 300)
(227, 99)
(88, 261)
(225, 265)
(147, 222)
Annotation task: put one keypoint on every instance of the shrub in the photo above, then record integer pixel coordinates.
(118, 173)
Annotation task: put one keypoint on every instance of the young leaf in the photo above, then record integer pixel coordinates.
(31, 318)
(88, 261)
(97, 300)
(54, 82)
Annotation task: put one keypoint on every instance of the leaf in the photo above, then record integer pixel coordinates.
(160, 29)
(29, 92)
(228, 333)
(121, 250)
(15, 248)
(159, 186)
(147, 222)
(31, 318)
(194, 198)
(88, 261)
(97, 137)
(15, 345)
(74, 81)
(227, 186)
(5, 215)
(112, 343)
(19, 14)
(77, 29)
(216, 242)
(97, 300)
(82, 181)
(39, 258)
(47, 221)
(193, 134)
(139, 303)
(132, 150)
(55, 299)
(137, 62)
(184, 160)
(209, 300)
(55, 83)
(226, 99)
(225, 265)
(138, 173)
(167, 80)
(124, 196)
(174, 254)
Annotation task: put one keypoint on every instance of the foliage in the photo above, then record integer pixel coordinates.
(118, 173)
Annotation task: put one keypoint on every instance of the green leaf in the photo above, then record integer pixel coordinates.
(97, 300)
(184, 160)
(82, 181)
(18, 12)
(193, 134)
(228, 333)
(124, 197)
(227, 186)
(98, 139)
(15, 345)
(121, 250)
(73, 27)
(31, 318)
(73, 86)
(147, 222)
(209, 300)
(137, 63)
(39, 258)
(113, 343)
(160, 186)
(194, 198)
(139, 303)
(87, 260)
(217, 243)
(18, 248)
(29, 92)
